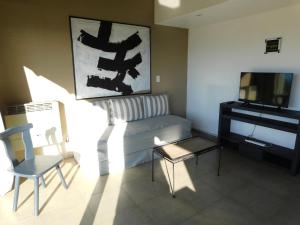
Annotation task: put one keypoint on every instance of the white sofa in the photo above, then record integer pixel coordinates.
(128, 139)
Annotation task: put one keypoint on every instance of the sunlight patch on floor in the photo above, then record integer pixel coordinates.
(182, 177)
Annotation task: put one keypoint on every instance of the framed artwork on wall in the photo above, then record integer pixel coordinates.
(109, 58)
(273, 45)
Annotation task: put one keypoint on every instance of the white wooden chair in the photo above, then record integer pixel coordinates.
(33, 167)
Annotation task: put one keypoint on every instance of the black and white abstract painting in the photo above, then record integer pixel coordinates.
(110, 58)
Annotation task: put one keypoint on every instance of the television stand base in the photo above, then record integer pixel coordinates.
(229, 112)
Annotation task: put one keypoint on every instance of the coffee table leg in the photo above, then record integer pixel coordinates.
(171, 183)
(173, 189)
(152, 165)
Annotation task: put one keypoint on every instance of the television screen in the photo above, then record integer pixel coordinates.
(266, 88)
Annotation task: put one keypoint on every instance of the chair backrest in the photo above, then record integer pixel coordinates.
(5, 137)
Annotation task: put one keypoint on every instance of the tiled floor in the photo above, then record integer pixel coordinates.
(247, 192)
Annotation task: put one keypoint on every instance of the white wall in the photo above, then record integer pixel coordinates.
(219, 53)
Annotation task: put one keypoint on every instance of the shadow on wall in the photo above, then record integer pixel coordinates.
(84, 122)
(51, 139)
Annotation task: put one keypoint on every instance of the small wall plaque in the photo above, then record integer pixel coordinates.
(273, 45)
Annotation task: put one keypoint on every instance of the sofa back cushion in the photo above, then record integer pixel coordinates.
(156, 105)
(100, 111)
(126, 109)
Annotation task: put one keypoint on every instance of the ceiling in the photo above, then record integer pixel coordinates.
(223, 11)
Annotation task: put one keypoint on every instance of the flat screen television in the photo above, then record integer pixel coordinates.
(266, 88)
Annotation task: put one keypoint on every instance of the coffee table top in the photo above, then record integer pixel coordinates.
(186, 148)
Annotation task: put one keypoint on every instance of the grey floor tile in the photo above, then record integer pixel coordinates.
(228, 212)
(111, 201)
(225, 183)
(289, 214)
(141, 190)
(200, 198)
(203, 167)
(247, 193)
(277, 180)
(165, 210)
(262, 202)
(134, 216)
(199, 219)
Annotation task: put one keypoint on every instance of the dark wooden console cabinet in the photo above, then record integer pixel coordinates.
(227, 114)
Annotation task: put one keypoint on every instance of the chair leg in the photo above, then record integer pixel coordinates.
(16, 197)
(36, 196)
(62, 179)
(43, 181)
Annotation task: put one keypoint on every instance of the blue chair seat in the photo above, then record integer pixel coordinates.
(37, 166)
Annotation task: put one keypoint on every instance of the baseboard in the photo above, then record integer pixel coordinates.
(203, 134)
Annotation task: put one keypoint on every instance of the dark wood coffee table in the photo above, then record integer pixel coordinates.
(183, 150)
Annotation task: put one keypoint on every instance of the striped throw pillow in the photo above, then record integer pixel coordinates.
(156, 105)
(126, 109)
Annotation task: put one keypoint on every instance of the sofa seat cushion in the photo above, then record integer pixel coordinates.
(138, 135)
(154, 123)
